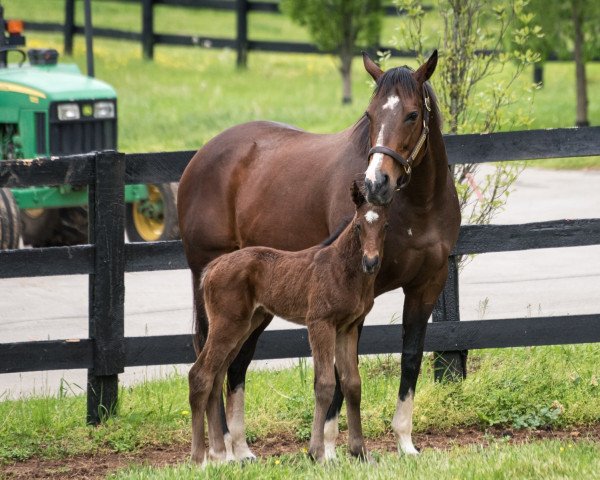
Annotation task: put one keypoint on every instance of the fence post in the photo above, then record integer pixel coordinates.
(69, 26)
(148, 29)
(242, 33)
(538, 74)
(107, 284)
(450, 365)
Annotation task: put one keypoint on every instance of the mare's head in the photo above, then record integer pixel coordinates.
(370, 224)
(398, 125)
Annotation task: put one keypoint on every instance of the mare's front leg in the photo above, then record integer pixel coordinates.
(346, 357)
(321, 335)
(418, 305)
(235, 438)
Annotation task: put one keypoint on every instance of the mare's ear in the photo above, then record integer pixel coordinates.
(357, 196)
(371, 67)
(426, 70)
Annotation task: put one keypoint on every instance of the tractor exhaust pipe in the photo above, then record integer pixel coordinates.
(89, 44)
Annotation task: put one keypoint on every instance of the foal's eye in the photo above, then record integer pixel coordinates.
(357, 227)
(411, 117)
(386, 226)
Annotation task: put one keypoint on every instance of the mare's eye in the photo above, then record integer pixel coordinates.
(412, 116)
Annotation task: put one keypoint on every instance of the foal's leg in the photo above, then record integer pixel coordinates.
(321, 335)
(223, 338)
(346, 356)
(235, 440)
(333, 413)
(219, 450)
(418, 305)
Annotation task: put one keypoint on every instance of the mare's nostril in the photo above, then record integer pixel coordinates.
(385, 179)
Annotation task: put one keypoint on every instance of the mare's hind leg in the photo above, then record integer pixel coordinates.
(321, 335)
(333, 414)
(346, 356)
(236, 379)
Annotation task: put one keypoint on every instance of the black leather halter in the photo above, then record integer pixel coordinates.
(407, 163)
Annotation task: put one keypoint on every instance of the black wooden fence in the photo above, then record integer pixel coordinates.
(106, 259)
(148, 37)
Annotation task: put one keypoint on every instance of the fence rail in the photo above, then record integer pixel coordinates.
(106, 259)
(149, 38)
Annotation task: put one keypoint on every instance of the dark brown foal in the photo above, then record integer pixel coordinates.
(328, 288)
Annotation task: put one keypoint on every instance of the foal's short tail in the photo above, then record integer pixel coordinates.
(200, 316)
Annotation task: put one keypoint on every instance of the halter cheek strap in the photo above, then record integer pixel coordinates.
(407, 163)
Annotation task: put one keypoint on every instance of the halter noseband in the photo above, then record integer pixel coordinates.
(407, 163)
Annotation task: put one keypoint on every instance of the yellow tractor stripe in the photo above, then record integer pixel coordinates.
(11, 87)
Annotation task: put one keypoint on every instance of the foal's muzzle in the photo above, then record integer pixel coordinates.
(370, 264)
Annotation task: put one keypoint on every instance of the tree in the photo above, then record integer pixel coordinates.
(339, 26)
(571, 30)
(473, 87)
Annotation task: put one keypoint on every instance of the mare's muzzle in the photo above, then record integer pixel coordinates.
(370, 264)
(379, 192)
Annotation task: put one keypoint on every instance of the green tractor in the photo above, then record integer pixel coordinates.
(47, 108)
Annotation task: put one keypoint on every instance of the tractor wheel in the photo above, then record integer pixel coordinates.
(10, 226)
(53, 227)
(155, 218)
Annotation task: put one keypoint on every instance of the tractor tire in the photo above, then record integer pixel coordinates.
(54, 227)
(143, 227)
(10, 225)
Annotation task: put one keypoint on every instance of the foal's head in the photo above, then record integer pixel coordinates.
(398, 115)
(370, 224)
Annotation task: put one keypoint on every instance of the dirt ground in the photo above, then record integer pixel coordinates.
(98, 466)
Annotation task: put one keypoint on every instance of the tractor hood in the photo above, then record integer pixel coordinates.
(54, 83)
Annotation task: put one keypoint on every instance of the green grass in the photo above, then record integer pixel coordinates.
(188, 95)
(534, 387)
(547, 460)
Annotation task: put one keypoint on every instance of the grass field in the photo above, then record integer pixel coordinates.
(547, 460)
(187, 95)
(541, 387)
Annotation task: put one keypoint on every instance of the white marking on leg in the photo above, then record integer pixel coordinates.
(371, 216)
(391, 103)
(377, 158)
(402, 424)
(330, 436)
(235, 423)
(228, 447)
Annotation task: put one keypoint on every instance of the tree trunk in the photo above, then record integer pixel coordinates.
(346, 71)
(582, 101)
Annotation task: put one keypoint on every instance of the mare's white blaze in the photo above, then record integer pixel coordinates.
(330, 436)
(371, 216)
(391, 103)
(402, 424)
(377, 158)
(237, 447)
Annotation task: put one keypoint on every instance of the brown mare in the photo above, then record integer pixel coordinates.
(328, 288)
(268, 184)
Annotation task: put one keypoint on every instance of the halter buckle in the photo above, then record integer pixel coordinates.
(427, 104)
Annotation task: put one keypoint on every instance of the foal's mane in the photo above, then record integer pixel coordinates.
(337, 232)
(394, 80)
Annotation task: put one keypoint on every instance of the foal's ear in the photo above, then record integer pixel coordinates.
(426, 70)
(371, 67)
(357, 196)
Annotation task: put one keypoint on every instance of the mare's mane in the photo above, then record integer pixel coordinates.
(394, 80)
